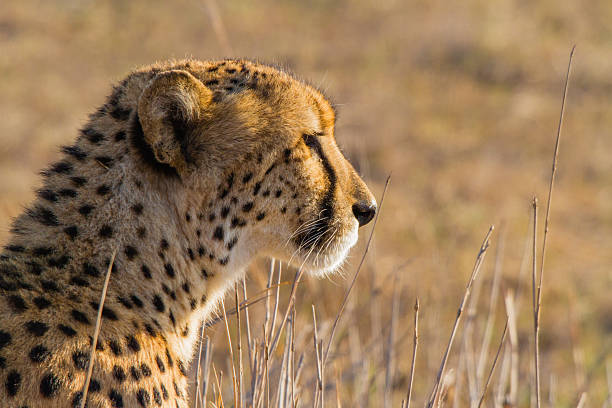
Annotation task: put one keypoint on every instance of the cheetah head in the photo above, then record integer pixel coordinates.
(258, 145)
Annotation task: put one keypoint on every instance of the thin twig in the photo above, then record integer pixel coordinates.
(536, 323)
(229, 342)
(94, 342)
(499, 349)
(415, 345)
(479, 259)
(348, 292)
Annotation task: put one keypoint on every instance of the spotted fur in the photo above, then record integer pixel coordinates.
(188, 171)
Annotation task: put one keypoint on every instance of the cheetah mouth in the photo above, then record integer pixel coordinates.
(323, 245)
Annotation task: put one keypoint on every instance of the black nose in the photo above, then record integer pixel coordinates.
(364, 212)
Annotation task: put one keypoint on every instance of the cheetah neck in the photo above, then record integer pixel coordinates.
(176, 254)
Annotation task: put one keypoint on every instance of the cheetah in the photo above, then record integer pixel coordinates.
(187, 172)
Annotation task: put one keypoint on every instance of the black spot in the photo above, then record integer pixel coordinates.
(79, 316)
(193, 304)
(136, 301)
(118, 112)
(48, 195)
(266, 193)
(224, 261)
(103, 190)
(43, 215)
(172, 319)
(270, 169)
(190, 253)
(187, 217)
(41, 302)
(181, 368)
(205, 273)
(93, 136)
(58, 262)
(49, 385)
(211, 82)
(85, 209)
(160, 364)
(164, 244)
(71, 231)
(125, 302)
(146, 370)
(158, 303)
(135, 373)
(224, 212)
(116, 399)
(13, 381)
(15, 248)
(137, 208)
(80, 359)
(201, 251)
(79, 282)
(49, 285)
(231, 243)
(62, 167)
(132, 343)
(150, 330)
(230, 70)
(119, 374)
(119, 136)
(115, 347)
(130, 252)
(169, 270)
(42, 251)
(90, 270)
(247, 207)
(218, 234)
(17, 303)
(106, 231)
(278, 193)
(177, 390)
(5, 339)
(141, 232)
(198, 232)
(78, 181)
(75, 152)
(68, 192)
(247, 177)
(94, 386)
(256, 188)
(157, 396)
(76, 400)
(146, 272)
(186, 287)
(211, 217)
(67, 330)
(164, 391)
(37, 329)
(2, 362)
(38, 354)
(283, 210)
(261, 216)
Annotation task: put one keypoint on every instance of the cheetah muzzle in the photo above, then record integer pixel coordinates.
(189, 171)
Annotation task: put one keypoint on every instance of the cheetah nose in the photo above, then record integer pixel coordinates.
(364, 212)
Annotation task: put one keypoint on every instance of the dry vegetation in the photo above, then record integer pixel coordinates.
(459, 100)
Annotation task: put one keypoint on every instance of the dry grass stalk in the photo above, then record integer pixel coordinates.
(538, 298)
(390, 366)
(486, 341)
(499, 349)
(514, 352)
(348, 292)
(319, 390)
(479, 259)
(94, 342)
(415, 345)
(248, 327)
(198, 367)
(239, 346)
(536, 323)
(218, 26)
(231, 350)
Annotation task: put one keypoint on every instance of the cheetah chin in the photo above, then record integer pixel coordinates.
(187, 172)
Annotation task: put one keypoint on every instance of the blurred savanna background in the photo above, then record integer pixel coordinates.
(459, 101)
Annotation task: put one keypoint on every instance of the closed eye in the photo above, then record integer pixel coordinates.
(311, 140)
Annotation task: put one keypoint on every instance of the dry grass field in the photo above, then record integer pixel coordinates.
(459, 101)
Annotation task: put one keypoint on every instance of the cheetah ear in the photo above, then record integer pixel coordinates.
(170, 109)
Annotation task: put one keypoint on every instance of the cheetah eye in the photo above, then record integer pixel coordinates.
(311, 139)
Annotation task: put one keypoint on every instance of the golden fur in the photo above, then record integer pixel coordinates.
(189, 170)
